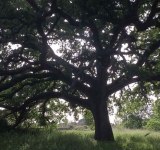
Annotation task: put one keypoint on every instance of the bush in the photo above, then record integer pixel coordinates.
(144, 122)
(132, 122)
(71, 127)
(81, 128)
(153, 124)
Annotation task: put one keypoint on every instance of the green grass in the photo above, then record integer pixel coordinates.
(79, 140)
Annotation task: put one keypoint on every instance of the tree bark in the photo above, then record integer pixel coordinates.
(103, 129)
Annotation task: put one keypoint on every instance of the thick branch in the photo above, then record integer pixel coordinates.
(119, 84)
(19, 70)
(147, 53)
(122, 82)
(69, 98)
(19, 79)
(69, 80)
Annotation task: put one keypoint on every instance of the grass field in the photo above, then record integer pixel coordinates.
(79, 140)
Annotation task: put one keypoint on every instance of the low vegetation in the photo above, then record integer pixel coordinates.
(153, 124)
(49, 139)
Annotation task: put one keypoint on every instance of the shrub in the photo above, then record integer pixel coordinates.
(153, 124)
(144, 122)
(132, 122)
(71, 127)
(81, 128)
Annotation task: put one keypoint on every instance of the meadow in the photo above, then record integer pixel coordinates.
(49, 139)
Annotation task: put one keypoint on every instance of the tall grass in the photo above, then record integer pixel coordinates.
(77, 140)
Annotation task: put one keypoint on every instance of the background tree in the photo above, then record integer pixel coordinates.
(154, 121)
(153, 124)
(104, 46)
(132, 122)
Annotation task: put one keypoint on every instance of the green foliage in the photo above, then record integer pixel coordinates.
(88, 116)
(132, 122)
(138, 101)
(144, 122)
(153, 124)
(156, 108)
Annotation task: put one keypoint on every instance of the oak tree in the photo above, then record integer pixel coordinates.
(103, 46)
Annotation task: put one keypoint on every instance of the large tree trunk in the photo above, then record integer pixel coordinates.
(103, 130)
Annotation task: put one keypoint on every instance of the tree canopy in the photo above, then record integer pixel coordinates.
(103, 47)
